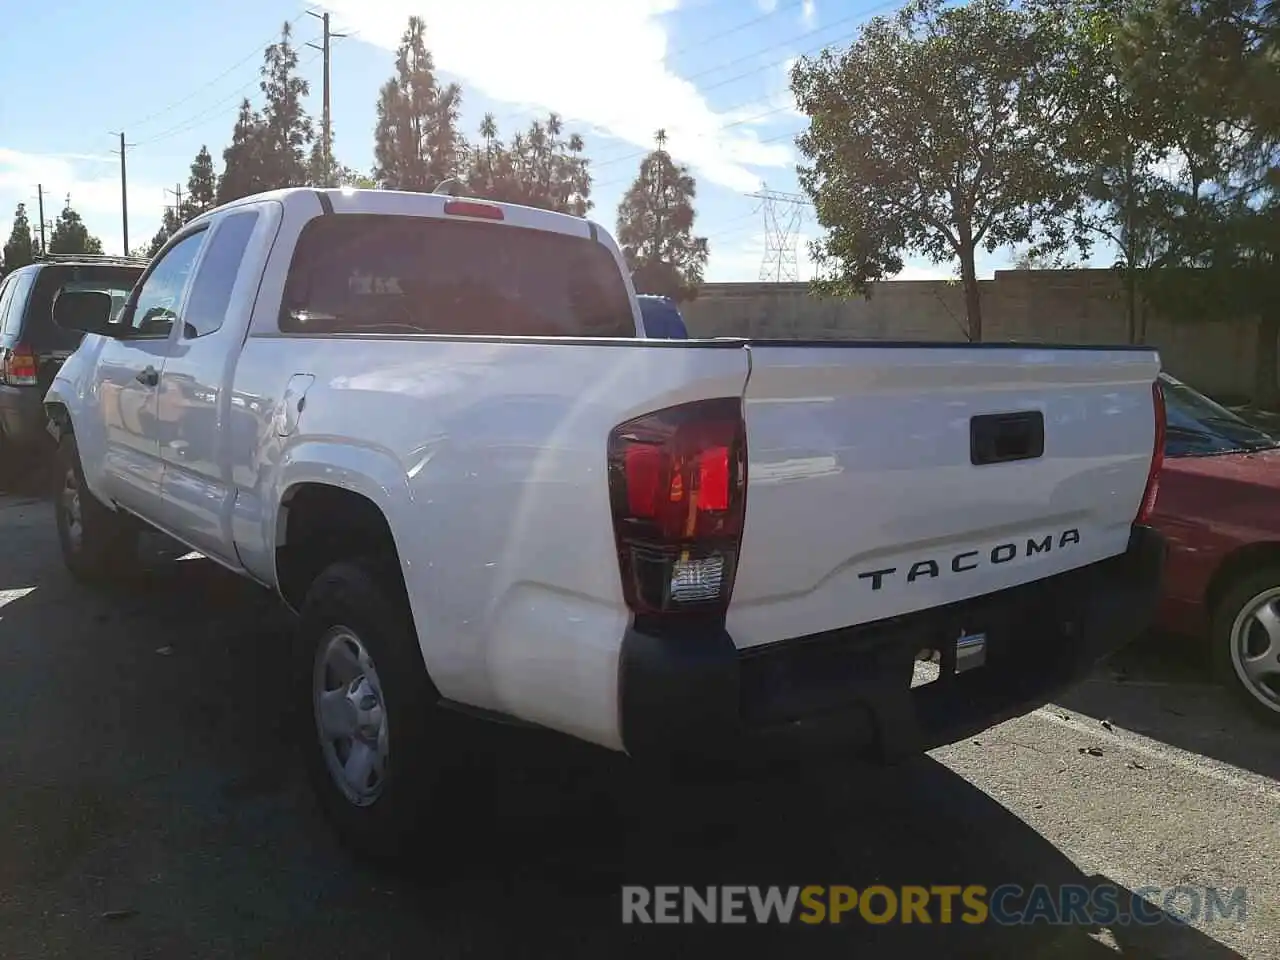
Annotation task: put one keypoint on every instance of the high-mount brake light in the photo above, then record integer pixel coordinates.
(677, 484)
(1152, 491)
(472, 208)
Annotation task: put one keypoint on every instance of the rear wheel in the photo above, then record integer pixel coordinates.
(98, 544)
(1246, 642)
(374, 742)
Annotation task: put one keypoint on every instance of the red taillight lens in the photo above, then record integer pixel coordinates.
(677, 484)
(1157, 457)
(470, 208)
(20, 366)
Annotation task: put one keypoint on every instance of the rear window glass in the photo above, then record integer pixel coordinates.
(354, 273)
(14, 302)
(39, 330)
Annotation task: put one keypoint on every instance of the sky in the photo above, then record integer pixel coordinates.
(712, 73)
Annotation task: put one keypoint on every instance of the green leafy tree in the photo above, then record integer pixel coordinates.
(286, 130)
(19, 249)
(243, 172)
(939, 131)
(1031, 259)
(417, 144)
(70, 234)
(1210, 72)
(202, 185)
(170, 223)
(655, 228)
(321, 170)
(1115, 144)
(268, 148)
(347, 177)
(201, 196)
(540, 167)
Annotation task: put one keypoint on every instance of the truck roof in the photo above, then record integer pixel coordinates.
(407, 203)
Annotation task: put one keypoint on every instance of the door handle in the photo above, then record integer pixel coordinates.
(149, 377)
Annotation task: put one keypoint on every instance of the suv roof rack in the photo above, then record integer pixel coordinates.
(103, 258)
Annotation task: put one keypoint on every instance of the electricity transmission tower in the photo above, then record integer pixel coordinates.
(783, 214)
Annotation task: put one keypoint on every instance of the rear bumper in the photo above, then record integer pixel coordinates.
(22, 418)
(692, 691)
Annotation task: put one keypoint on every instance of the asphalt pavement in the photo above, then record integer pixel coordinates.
(152, 805)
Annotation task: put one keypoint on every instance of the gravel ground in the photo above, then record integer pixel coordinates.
(152, 806)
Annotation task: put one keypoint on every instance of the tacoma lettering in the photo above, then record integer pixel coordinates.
(930, 568)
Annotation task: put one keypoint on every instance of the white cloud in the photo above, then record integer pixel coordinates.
(93, 183)
(615, 80)
(809, 13)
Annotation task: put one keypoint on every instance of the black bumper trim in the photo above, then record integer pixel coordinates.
(688, 690)
(23, 417)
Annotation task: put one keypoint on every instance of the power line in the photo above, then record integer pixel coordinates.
(700, 42)
(868, 11)
(257, 52)
(193, 122)
(862, 14)
(759, 143)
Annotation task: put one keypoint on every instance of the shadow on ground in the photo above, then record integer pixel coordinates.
(153, 806)
(1159, 687)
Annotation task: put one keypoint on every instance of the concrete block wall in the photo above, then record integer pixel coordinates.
(1042, 306)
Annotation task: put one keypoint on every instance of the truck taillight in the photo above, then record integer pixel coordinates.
(677, 486)
(1157, 457)
(19, 369)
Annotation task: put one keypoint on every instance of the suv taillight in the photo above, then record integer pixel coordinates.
(19, 367)
(1157, 457)
(677, 486)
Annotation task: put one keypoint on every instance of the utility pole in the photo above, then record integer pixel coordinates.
(124, 193)
(177, 199)
(40, 201)
(326, 120)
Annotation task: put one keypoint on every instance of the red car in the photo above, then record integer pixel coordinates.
(1219, 508)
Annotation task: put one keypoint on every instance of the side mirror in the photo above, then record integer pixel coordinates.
(88, 311)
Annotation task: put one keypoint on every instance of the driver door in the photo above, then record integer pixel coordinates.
(127, 377)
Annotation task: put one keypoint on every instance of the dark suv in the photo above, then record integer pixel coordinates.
(32, 348)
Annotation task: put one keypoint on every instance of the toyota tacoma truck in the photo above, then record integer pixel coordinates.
(434, 426)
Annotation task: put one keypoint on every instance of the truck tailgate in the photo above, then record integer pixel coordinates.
(885, 479)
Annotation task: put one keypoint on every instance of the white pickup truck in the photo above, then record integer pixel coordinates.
(433, 425)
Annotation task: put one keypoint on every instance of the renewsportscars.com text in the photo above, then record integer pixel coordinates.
(1008, 904)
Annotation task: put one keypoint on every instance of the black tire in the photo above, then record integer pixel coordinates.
(1243, 594)
(103, 546)
(16, 467)
(366, 597)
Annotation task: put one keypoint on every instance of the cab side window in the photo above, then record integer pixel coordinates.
(156, 305)
(211, 289)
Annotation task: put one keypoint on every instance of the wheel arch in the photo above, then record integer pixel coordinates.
(1235, 565)
(319, 523)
